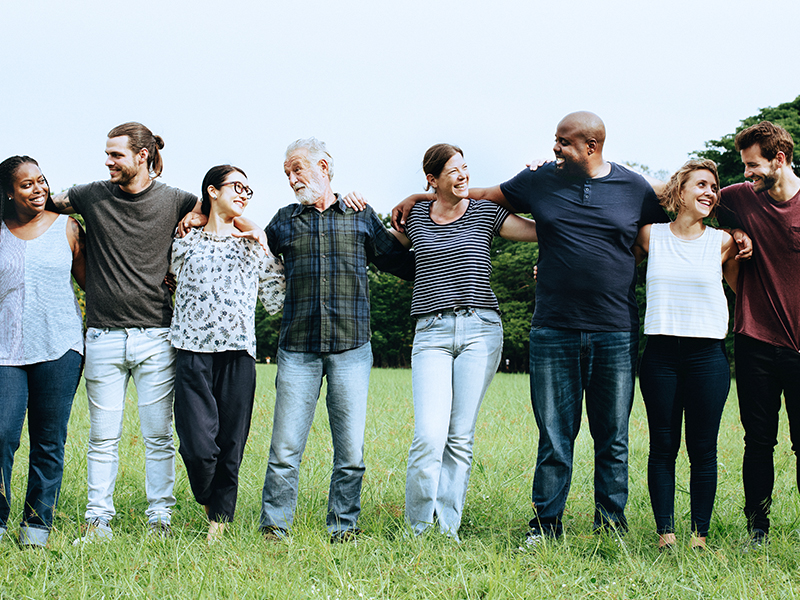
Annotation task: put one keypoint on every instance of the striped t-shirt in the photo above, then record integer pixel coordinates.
(684, 285)
(453, 261)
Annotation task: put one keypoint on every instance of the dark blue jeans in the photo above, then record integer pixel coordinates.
(763, 372)
(564, 365)
(45, 390)
(683, 376)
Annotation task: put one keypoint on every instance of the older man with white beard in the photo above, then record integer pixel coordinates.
(325, 332)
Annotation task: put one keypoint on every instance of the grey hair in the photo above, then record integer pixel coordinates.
(316, 150)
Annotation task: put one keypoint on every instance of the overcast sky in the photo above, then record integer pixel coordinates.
(380, 82)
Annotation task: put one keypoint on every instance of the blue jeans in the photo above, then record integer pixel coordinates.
(564, 364)
(45, 390)
(297, 388)
(683, 376)
(113, 356)
(455, 357)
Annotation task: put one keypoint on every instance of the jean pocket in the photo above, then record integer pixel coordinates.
(489, 317)
(95, 333)
(157, 333)
(425, 323)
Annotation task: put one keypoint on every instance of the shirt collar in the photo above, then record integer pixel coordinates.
(338, 205)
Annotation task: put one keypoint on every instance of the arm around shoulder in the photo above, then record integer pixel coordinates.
(77, 243)
(60, 203)
(642, 244)
(519, 229)
(730, 261)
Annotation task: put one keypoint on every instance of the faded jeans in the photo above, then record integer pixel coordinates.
(564, 365)
(297, 388)
(455, 357)
(113, 356)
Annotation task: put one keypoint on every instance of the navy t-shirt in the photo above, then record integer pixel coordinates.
(586, 229)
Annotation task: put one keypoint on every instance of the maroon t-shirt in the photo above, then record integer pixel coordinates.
(768, 294)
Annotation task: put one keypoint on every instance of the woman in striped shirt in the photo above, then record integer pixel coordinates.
(458, 338)
(684, 370)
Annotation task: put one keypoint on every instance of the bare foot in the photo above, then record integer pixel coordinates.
(215, 531)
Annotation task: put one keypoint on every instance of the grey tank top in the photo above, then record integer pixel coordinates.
(39, 314)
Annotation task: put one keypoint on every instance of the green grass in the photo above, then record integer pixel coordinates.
(385, 564)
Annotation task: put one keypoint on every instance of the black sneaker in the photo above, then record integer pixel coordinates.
(273, 533)
(348, 536)
(757, 541)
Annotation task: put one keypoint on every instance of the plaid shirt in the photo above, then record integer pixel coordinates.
(325, 257)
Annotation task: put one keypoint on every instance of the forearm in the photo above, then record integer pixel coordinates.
(60, 204)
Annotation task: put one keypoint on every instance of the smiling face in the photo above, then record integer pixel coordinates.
(762, 172)
(453, 181)
(699, 194)
(30, 190)
(225, 200)
(571, 149)
(123, 165)
(308, 180)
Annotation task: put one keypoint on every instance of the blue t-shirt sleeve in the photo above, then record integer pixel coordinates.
(519, 190)
(652, 211)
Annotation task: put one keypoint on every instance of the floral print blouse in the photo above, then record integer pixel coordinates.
(219, 278)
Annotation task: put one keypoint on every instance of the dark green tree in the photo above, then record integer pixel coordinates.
(513, 284)
(723, 152)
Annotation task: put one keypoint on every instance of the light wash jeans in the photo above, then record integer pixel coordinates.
(565, 364)
(297, 388)
(113, 356)
(455, 356)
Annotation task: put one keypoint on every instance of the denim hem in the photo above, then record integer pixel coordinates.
(33, 536)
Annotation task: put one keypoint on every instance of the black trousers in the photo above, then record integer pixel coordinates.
(683, 378)
(763, 372)
(213, 407)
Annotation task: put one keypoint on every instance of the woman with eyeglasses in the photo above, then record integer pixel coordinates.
(219, 277)
(684, 373)
(41, 339)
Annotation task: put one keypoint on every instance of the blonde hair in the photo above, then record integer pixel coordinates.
(670, 198)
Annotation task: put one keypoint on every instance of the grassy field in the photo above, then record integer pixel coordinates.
(385, 564)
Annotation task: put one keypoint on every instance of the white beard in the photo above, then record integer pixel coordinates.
(308, 194)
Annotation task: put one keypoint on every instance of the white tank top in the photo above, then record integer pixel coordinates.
(684, 285)
(40, 316)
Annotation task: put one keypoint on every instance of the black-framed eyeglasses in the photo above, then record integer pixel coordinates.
(239, 187)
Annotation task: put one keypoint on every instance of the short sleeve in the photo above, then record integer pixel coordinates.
(519, 190)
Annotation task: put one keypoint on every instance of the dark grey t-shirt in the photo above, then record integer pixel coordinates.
(128, 240)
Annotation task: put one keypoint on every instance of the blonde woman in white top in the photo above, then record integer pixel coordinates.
(684, 371)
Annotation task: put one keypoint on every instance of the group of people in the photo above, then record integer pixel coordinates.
(593, 220)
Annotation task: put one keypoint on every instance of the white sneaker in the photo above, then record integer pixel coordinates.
(97, 530)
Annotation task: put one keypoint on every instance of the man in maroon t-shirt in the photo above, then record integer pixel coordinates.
(767, 318)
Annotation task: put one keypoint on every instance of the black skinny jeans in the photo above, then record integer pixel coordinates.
(683, 376)
(763, 371)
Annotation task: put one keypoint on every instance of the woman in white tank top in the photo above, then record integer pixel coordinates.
(41, 339)
(684, 370)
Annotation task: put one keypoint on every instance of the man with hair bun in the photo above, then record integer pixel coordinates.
(767, 317)
(130, 222)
